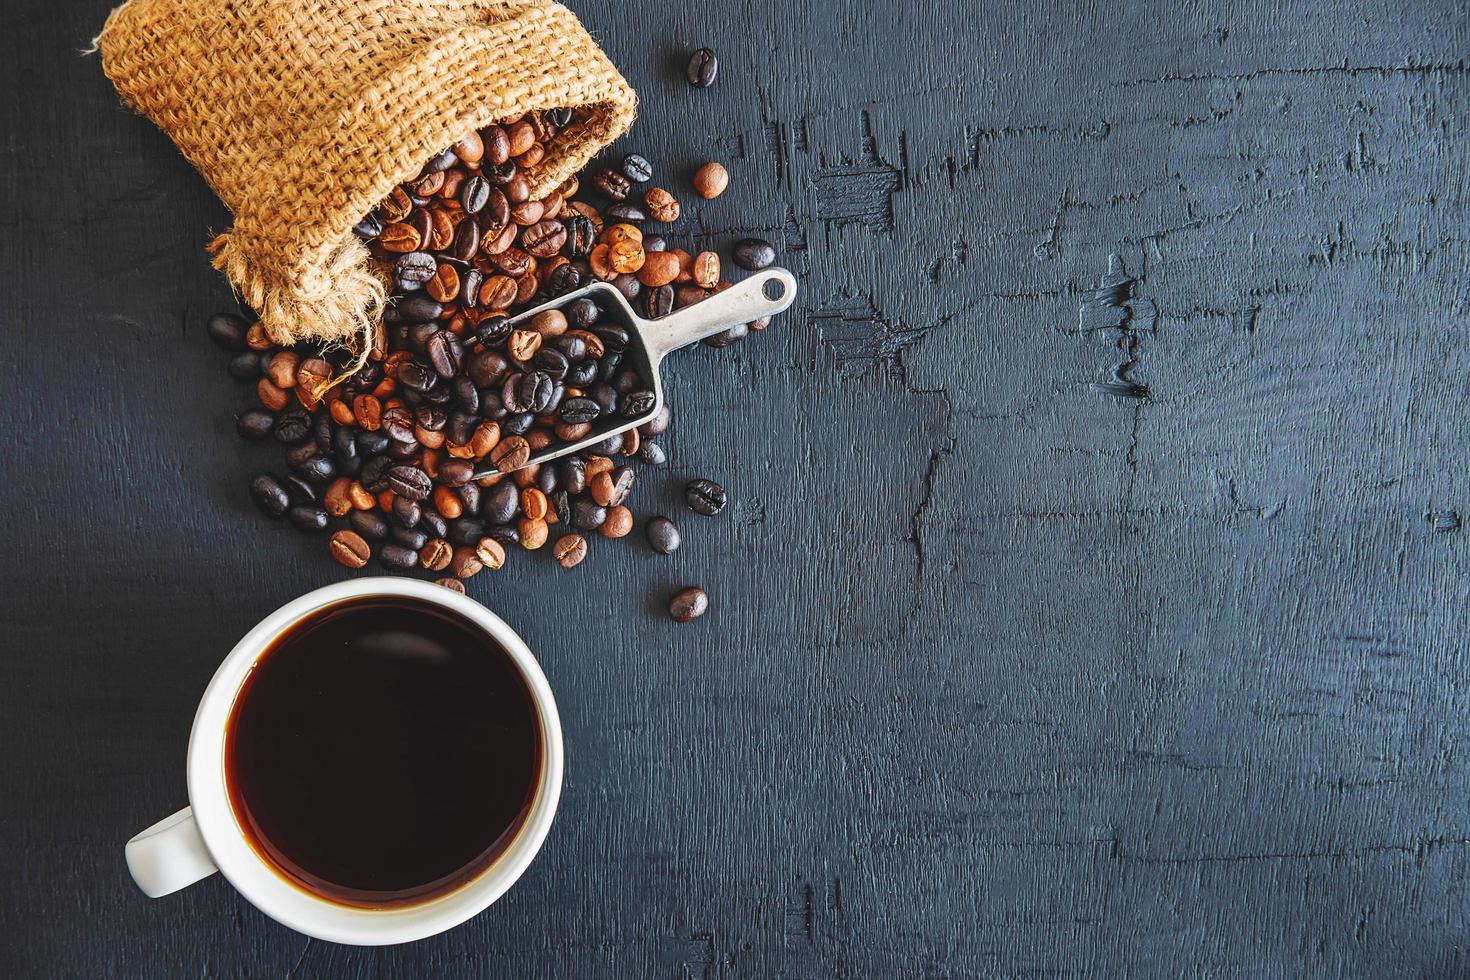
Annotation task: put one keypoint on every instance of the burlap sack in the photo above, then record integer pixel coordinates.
(303, 115)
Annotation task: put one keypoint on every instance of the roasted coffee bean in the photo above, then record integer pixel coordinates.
(435, 554)
(406, 512)
(269, 495)
(410, 537)
(305, 517)
(490, 552)
(433, 523)
(659, 424)
(517, 424)
(727, 337)
(658, 302)
(349, 549)
(544, 239)
(704, 497)
(588, 515)
(662, 206)
(626, 380)
(255, 423)
(370, 444)
(510, 454)
(552, 362)
(572, 474)
(523, 344)
(371, 226)
(317, 468)
(626, 212)
(452, 584)
(416, 375)
(637, 404)
(507, 534)
(374, 474)
(398, 558)
(299, 453)
(492, 330)
(469, 495)
(466, 530)
(456, 472)
(245, 367)
(652, 453)
(535, 391)
(445, 354)
(465, 562)
(497, 145)
(368, 523)
(398, 424)
(430, 418)
(611, 184)
(688, 604)
(322, 429)
(582, 373)
(569, 550)
(228, 331)
(292, 426)
(559, 506)
(474, 194)
(442, 160)
(707, 269)
(581, 236)
(565, 279)
(414, 267)
(637, 168)
(711, 180)
(499, 504)
(299, 490)
(618, 523)
(410, 482)
(575, 411)
(464, 395)
(533, 503)
(702, 68)
(753, 253)
(605, 396)
(611, 488)
(663, 535)
(533, 533)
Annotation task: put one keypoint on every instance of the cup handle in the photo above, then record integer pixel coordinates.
(169, 855)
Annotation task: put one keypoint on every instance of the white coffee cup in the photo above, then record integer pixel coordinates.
(204, 837)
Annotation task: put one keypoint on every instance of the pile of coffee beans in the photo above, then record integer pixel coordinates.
(419, 456)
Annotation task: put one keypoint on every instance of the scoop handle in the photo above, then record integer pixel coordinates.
(765, 293)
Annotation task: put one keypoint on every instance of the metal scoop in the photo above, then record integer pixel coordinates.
(649, 341)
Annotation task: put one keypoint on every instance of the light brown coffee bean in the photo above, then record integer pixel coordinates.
(711, 180)
(569, 550)
(485, 437)
(707, 269)
(549, 323)
(349, 548)
(447, 503)
(367, 411)
(533, 533)
(399, 236)
(491, 553)
(338, 498)
(257, 339)
(282, 369)
(510, 453)
(659, 269)
(498, 292)
(544, 238)
(598, 464)
(533, 504)
(452, 584)
(497, 145)
(444, 286)
(523, 344)
(436, 554)
(521, 136)
(625, 256)
(397, 205)
(465, 563)
(618, 523)
(470, 149)
(662, 206)
(270, 396)
(360, 497)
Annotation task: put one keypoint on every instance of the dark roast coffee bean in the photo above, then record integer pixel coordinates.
(637, 168)
(605, 396)
(465, 396)
(582, 313)
(727, 337)
(581, 373)
(299, 490)
(397, 422)
(473, 194)
(704, 497)
(317, 469)
(688, 604)
(461, 427)
(560, 117)
(505, 534)
(517, 424)
(416, 375)
(375, 474)
(572, 347)
(534, 391)
(398, 558)
(608, 446)
(445, 354)
(469, 495)
(498, 506)
(254, 424)
(637, 404)
(228, 331)
(575, 411)
(546, 480)
(487, 367)
(552, 361)
(406, 513)
(611, 184)
(415, 267)
(630, 213)
(500, 174)
(344, 446)
(560, 504)
(573, 474)
(410, 482)
(465, 531)
(613, 338)
(581, 236)
(419, 308)
(663, 535)
(652, 453)
(441, 161)
(430, 418)
(659, 424)
(410, 537)
(702, 68)
(292, 426)
(403, 450)
(456, 472)
(564, 279)
(434, 524)
(587, 515)
(753, 253)
(307, 518)
(419, 334)
(245, 367)
(463, 246)
(321, 430)
(270, 496)
(368, 523)
(658, 302)
(298, 454)
(369, 443)
(437, 395)
(371, 226)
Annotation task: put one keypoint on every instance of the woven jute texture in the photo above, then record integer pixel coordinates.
(303, 115)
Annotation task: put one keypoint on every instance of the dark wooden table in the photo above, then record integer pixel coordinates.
(1092, 601)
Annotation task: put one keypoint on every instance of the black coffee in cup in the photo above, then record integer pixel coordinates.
(382, 752)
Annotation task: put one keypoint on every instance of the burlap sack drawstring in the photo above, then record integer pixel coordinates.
(304, 114)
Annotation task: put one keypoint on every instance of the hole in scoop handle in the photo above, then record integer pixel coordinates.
(765, 293)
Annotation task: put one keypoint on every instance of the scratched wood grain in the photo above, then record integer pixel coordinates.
(1092, 602)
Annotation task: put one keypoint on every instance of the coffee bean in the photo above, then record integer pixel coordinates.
(349, 548)
(611, 184)
(532, 533)
(569, 550)
(434, 524)
(535, 391)
(552, 362)
(663, 535)
(574, 411)
(445, 354)
(618, 523)
(510, 454)
(254, 424)
(662, 206)
(704, 497)
(727, 337)
(292, 426)
(688, 604)
(637, 404)
(490, 552)
(299, 490)
(637, 168)
(456, 472)
(368, 523)
(397, 422)
(228, 331)
(410, 482)
(398, 558)
(711, 180)
(371, 226)
(626, 212)
(707, 269)
(754, 253)
(544, 239)
(435, 555)
(452, 584)
(564, 279)
(658, 302)
(414, 267)
(305, 517)
(465, 562)
(652, 453)
(587, 514)
(581, 235)
(270, 496)
(410, 537)
(702, 68)
(317, 468)
(659, 424)
(611, 488)
(245, 367)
